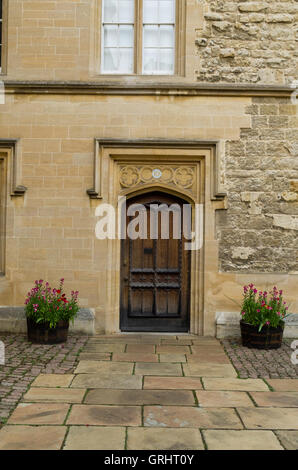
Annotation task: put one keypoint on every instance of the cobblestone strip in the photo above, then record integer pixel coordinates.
(24, 361)
(260, 363)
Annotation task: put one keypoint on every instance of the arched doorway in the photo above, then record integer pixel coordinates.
(155, 266)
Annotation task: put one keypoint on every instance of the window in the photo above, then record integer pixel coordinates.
(139, 37)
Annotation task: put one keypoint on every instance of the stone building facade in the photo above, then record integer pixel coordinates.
(220, 126)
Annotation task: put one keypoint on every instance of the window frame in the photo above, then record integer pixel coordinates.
(180, 43)
(3, 66)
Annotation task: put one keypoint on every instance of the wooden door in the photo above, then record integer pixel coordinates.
(155, 271)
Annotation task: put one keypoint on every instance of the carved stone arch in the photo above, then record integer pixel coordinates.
(200, 181)
(130, 193)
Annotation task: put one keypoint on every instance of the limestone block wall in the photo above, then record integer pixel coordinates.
(259, 231)
(248, 41)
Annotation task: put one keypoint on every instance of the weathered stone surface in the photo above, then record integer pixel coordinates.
(284, 385)
(134, 357)
(191, 417)
(146, 368)
(253, 6)
(140, 397)
(95, 438)
(223, 399)
(264, 218)
(201, 358)
(241, 440)
(91, 367)
(163, 439)
(212, 383)
(289, 439)
(39, 413)
(98, 347)
(279, 399)
(269, 418)
(172, 357)
(141, 348)
(32, 437)
(118, 381)
(55, 395)
(53, 380)
(105, 415)
(210, 369)
(168, 349)
(171, 383)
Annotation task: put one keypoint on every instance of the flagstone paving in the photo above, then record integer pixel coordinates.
(155, 392)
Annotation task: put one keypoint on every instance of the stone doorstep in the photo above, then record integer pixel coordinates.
(227, 325)
(13, 320)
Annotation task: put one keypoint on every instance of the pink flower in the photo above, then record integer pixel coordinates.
(258, 310)
(242, 313)
(267, 322)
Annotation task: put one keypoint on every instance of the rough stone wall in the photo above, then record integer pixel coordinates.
(259, 231)
(252, 42)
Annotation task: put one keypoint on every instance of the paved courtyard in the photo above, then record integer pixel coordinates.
(148, 392)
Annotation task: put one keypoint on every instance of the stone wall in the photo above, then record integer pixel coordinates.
(243, 41)
(225, 41)
(258, 232)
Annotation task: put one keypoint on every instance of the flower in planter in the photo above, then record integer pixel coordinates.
(46, 305)
(262, 308)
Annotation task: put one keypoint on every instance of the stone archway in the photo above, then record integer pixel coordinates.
(125, 169)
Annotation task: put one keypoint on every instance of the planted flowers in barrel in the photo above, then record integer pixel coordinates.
(262, 323)
(49, 312)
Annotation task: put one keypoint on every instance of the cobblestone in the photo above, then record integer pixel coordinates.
(24, 361)
(257, 363)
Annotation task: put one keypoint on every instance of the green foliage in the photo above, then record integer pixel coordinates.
(260, 308)
(47, 305)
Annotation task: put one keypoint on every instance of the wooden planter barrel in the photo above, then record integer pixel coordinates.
(41, 333)
(267, 338)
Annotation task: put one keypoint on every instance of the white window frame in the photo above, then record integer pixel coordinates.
(179, 44)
